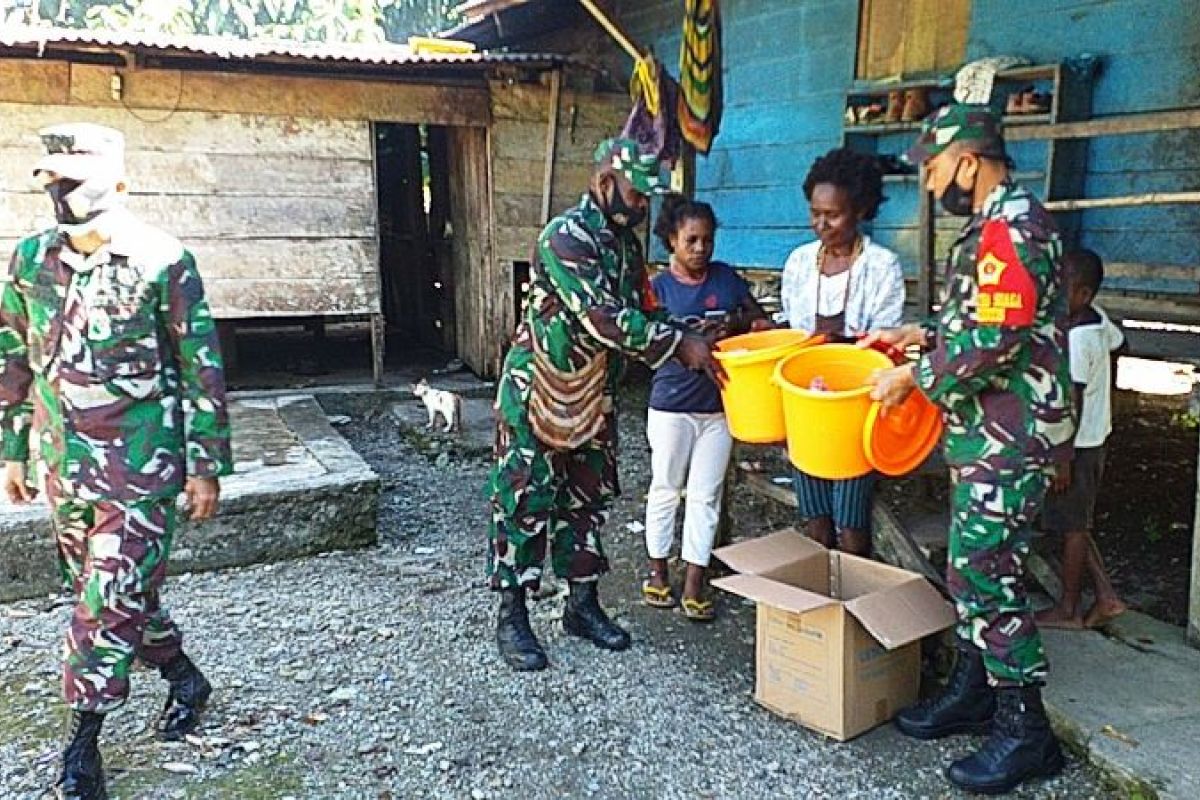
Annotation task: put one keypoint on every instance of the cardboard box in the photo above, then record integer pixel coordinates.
(838, 636)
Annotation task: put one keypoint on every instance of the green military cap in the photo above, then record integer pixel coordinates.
(642, 169)
(958, 122)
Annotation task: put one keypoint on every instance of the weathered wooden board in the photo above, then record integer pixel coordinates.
(265, 203)
(218, 216)
(161, 93)
(41, 82)
(518, 101)
(311, 296)
(194, 132)
(518, 141)
(273, 259)
(526, 139)
(516, 244)
(482, 284)
(158, 172)
(524, 177)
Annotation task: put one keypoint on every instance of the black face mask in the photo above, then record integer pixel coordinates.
(956, 200)
(621, 213)
(58, 192)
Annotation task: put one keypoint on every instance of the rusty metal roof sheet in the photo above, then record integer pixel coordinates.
(215, 47)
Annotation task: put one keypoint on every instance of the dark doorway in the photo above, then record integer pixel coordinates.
(413, 190)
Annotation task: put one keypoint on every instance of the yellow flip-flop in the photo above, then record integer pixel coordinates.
(698, 610)
(657, 596)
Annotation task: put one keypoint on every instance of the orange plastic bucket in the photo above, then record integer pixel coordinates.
(753, 408)
(839, 432)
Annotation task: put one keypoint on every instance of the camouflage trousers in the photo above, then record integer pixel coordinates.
(538, 494)
(113, 555)
(989, 544)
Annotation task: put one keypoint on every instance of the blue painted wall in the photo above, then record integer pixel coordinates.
(788, 64)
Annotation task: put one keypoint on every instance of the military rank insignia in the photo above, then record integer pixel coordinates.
(1007, 292)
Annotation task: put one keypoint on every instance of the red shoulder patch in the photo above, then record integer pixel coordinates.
(1008, 294)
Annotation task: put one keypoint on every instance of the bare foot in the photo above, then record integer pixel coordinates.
(1104, 612)
(1057, 617)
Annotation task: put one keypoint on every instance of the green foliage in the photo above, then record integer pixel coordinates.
(305, 20)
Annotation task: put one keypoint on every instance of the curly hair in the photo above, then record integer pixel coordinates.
(675, 210)
(857, 174)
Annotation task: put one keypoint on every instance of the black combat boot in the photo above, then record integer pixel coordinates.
(1021, 746)
(584, 617)
(186, 699)
(967, 705)
(82, 775)
(518, 646)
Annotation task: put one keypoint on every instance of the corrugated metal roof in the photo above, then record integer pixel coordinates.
(251, 49)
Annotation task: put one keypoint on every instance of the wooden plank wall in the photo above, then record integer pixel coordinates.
(787, 67)
(1150, 49)
(482, 315)
(520, 113)
(269, 180)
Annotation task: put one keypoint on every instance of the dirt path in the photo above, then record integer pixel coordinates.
(373, 675)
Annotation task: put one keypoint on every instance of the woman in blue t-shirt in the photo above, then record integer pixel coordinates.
(689, 440)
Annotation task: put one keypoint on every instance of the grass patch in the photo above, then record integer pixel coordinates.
(269, 779)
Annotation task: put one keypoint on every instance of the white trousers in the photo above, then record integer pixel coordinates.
(687, 451)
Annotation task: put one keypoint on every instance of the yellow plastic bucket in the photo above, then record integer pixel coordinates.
(753, 408)
(825, 428)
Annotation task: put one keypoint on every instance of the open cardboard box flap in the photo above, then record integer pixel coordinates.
(906, 612)
(773, 593)
(761, 555)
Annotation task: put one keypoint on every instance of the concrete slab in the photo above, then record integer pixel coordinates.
(322, 497)
(1134, 713)
(478, 425)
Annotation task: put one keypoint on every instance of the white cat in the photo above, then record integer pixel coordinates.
(439, 401)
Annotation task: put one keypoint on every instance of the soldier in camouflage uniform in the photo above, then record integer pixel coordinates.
(995, 362)
(109, 363)
(586, 309)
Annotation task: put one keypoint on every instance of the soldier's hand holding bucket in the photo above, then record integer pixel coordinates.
(891, 387)
(695, 353)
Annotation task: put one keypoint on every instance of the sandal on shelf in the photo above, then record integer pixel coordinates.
(657, 596)
(698, 610)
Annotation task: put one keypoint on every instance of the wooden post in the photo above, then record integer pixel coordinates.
(613, 29)
(1193, 628)
(551, 143)
(227, 335)
(926, 233)
(377, 349)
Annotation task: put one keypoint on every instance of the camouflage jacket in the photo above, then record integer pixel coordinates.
(997, 361)
(113, 359)
(587, 293)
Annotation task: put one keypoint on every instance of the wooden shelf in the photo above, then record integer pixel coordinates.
(885, 86)
(1015, 120)
(877, 128)
(883, 127)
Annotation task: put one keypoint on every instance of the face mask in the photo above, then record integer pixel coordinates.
(59, 191)
(620, 212)
(956, 200)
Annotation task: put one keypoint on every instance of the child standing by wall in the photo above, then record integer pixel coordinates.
(1069, 506)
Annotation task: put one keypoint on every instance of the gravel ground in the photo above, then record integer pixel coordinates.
(373, 675)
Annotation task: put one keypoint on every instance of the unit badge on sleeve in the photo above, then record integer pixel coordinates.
(1007, 292)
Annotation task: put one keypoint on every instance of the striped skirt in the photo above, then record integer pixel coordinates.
(847, 502)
